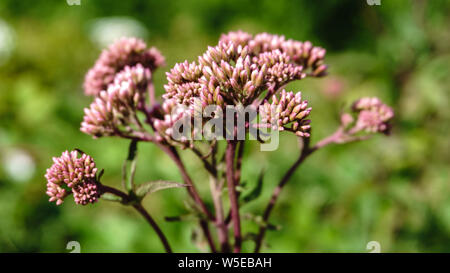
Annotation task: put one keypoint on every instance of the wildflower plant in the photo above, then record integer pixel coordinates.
(234, 93)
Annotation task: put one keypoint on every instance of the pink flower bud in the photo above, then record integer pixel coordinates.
(75, 173)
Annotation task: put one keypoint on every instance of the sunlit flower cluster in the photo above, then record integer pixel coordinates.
(241, 69)
(114, 109)
(124, 52)
(287, 112)
(72, 173)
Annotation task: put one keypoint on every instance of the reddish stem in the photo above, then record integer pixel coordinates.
(229, 158)
(207, 233)
(152, 222)
(125, 199)
(336, 137)
(173, 154)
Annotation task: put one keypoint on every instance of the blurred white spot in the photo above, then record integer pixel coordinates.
(6, 41)
(73, 2)
(105, 31)
(374, 247)
(74, 246)
(18, 165)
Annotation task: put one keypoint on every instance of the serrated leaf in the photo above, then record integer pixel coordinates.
(150, 187)
(256, 191)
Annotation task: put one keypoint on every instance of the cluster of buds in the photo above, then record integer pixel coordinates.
(174, 116)
(237, 37)
(241, 68)
(286, 112)
(372, 116)
(124, 52)
(72, 173)
(115, 109)
(301, 53)
(280, 69)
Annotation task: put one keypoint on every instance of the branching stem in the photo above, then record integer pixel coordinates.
(138, 206)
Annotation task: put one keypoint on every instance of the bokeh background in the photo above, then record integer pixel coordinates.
(394, 190)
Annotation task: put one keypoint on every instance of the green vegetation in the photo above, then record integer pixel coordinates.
(394, 190)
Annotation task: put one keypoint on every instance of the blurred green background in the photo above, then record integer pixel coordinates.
(394, 190)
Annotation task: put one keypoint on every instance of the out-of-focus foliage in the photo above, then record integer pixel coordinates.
(394, 190)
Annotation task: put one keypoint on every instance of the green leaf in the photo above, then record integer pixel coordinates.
(150, 187)
(256, 191)
(111, 197)
(130, 165)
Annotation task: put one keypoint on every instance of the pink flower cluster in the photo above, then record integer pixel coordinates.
(71, 172)
(239, 70)
(372, 116)
(288, 112)
(115, 108)
(241, 67)
(124, 52)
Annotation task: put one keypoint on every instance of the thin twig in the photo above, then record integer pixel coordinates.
(138, 206)
(173, 154)
(152, 222)
(262, 230)
(205, 228)
(208, 166)
(339, 136)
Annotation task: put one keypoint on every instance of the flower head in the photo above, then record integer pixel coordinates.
(287, 112)
(237, 37)
(241, 67)
(174, 117)
(301, 53)
(118, 105)
(373, 115)
(71, 171)
(124, 52)
(86, 193)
